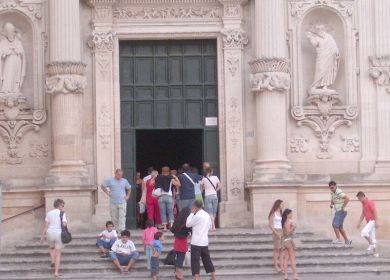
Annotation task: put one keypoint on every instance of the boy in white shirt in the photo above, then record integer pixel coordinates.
(123, 252)
(106, 239)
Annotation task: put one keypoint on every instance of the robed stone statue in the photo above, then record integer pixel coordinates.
(327, 59)
(12, 61)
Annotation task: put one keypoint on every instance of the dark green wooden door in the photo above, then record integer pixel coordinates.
(167, 85)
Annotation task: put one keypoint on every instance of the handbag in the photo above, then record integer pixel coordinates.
(142, 207)
(156, 192)
(66, 237)
(218, 192)
(170, 258)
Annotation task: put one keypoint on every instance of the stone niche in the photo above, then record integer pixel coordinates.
(322, 41)
(25, 138)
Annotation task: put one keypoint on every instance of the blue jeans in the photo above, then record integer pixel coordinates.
(124, 260)
(338, 219)
(105, 244)
(183, 203)
(166, 208)
(148, 252)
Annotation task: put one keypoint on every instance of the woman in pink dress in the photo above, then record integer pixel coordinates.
(152, 208)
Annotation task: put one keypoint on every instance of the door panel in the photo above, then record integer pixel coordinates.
(167, 85)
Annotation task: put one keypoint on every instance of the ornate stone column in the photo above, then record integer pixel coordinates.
(234, 208)
(270, 81)
(102, 45)
(380, 72)
(68, 177)
(65, 83)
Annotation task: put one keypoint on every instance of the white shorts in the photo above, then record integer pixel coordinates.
(54, 240)
(369, 231)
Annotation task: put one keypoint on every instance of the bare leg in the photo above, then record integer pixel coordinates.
(117, 265)
(344, 234)
(213, 276)
(130, 265)
(337, 232)
(179, 273)
(285, 258)
(57, 254)
(212, 221)
(277, 260)
(197, 277)
(52, 256)
(293, 263)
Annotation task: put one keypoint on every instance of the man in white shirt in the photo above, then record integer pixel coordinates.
(200, 222)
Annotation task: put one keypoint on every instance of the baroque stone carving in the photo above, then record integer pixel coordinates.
(270, 73)
(380, 71)
(32, 8)
(298, 8)
(39, 149)
(102, 12)
(12, 61)
(299, 144)
(234, 38)
(232, 64)
(167, 13)
(232, 10)
(65, 77)
(104, 129)
(235, 182)
(104, 63)
(102, 41)
(327, 59)
(350, 143)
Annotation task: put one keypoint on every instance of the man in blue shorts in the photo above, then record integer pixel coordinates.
(339, 201)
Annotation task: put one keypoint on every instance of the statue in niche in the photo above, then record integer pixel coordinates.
(327, 60)
(12, 61)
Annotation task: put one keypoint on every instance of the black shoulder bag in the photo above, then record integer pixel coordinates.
(66, 237)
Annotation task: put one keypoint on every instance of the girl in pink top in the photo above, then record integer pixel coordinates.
(147, 239)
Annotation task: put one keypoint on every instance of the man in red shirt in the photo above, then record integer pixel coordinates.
(370, 214)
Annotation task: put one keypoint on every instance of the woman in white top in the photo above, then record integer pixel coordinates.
(52, 232)
(211, 185)
(275, 224)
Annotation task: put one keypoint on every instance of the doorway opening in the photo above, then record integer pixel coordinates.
(168, 147)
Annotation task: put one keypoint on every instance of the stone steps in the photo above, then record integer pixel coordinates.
(244, 254)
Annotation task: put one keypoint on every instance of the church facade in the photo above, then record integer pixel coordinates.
(286, 95)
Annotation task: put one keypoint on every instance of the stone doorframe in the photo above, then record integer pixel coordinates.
(115, 20)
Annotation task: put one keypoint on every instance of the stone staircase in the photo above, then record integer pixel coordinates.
(237, 254)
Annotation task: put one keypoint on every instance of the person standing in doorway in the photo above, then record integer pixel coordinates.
(200, 222)
(187, 186)
(339, 201)
(141, 201)
(116, 188)
(52, 232)
(371, 215)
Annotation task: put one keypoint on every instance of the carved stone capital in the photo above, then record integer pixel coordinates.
(380, 71)
(65, 83)
(270, 73)
(102, 40)
(234, 38)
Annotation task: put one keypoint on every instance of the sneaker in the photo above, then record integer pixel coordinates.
(376, 255)
(337, 241)
(348, 243)
(371, 247)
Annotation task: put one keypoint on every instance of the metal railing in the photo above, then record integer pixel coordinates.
(23, 213)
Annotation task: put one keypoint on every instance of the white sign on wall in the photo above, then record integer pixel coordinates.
(211, 121)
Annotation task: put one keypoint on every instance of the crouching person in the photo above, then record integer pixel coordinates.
(123, 253)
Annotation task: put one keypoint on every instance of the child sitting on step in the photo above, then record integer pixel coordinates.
(106, 239)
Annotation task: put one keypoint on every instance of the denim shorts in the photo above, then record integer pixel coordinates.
(124, 260)
(338, 219)
(105, 244)
(211, 204)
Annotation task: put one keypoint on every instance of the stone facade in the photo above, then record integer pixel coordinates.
(304, 95)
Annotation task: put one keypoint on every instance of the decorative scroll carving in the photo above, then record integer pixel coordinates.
(232, 64)
(270, 73)
(380, 71)
(232, 11)
(324, 123)
(350, 143)
(65, 77)
(104, 129)
(234, 38)
(34, 9)
(102, 41)
(299, 144)
(298, 8)
(183, 12)
(39, 149)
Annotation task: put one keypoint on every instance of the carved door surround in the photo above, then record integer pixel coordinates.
(115, 20)
(24, 110)
(323, 112)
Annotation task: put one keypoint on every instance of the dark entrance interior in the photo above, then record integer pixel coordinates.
(168, 147)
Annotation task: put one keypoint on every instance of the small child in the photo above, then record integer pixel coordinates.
(155, 259)
(147, 239)
(106, 239)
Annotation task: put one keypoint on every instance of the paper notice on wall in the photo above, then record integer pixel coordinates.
(211, 121)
